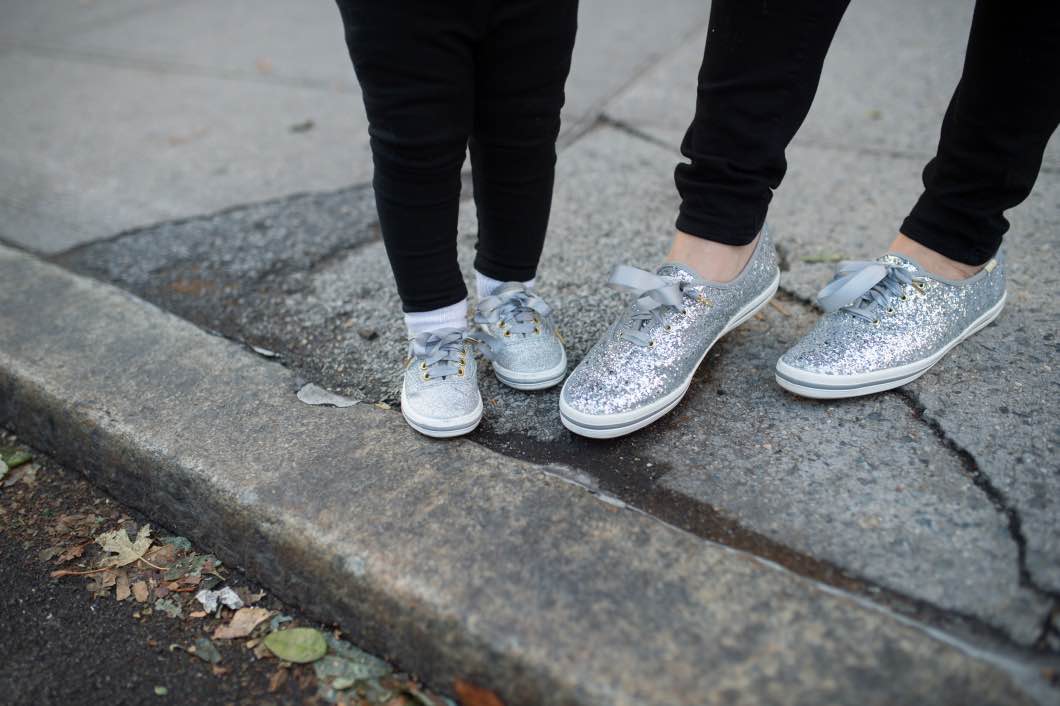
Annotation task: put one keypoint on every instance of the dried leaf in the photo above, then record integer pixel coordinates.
(344, 673)
(162, 554)
(206, 650)
(122, 590)
(169, 607)
(277, 680)
(191, 565)
(298, 645)
(471, 695)
(125, 551)
(140, 591)
(72, 553)
(50, 553)
(243, 623)
(177, 542)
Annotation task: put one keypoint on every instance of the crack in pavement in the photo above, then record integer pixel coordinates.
(982, 481)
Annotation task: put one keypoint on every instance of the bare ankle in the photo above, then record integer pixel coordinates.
(932, 261)
(715, 262)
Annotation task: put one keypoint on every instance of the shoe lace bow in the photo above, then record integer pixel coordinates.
(655, 298)
(863, 287)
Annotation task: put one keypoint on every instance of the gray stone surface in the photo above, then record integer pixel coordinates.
(887, 80)
(117, 115)
(865, 486)
(454, 560)
(138, 146)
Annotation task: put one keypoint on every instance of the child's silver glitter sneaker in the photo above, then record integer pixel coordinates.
(886, 323)
(523, 345)
(439, 395)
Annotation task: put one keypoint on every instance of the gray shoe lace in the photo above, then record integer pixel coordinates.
(656, 297)
(865, 287)
(439, 353)
(514, 309)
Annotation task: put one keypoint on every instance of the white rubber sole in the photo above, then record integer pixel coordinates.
(829, 387)
(457, 426)
(533, 381)
(609, 426)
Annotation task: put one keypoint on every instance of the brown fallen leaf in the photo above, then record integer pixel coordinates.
(122, 590)
(164, 554)
(140, 591)
(277, 680)
(197, 614)
(72, 553)
(471, 695)
(243, 623)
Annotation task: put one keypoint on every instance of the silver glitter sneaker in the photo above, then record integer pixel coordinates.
(887, 322)
(643, 365)
(439, 395)
(523, 344)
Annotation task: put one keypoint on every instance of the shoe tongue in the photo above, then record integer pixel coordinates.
(677, 272)
(896, 260)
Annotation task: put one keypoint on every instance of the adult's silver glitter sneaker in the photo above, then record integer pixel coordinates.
(886, 323)
(642, 367)
(439, 394)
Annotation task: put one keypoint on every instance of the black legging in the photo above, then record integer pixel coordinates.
(761, 69)
(437, 77)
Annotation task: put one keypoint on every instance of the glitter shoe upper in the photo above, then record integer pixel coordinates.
(903, 319)
(520, 331)
(656, 345)
(441, 378)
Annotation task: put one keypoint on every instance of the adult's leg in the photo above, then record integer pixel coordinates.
(522, 64)
(414, 60)
(760, 72)
(996, 128)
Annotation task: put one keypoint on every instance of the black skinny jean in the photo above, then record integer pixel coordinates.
(440, 77)
(759, 75)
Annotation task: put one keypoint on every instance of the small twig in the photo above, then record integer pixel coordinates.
(66, 572)
(779, 307)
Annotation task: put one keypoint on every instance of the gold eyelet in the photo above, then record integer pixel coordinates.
(669, 327)
(423, 365)
(507, 334)
(890, 310)
(904, 298)
(426, 376)
(537, 329)
(501, 324)
(460, 372)
(685, 312)
(651, 344)
(876, 322)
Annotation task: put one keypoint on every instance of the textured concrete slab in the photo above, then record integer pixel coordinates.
(134, 147)
(498, 572)
(264, 40)
(120, 115)
(887, 80)
(865, 486)
(43, 19)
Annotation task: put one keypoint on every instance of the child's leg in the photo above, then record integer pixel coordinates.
(522, 64)
(415, 63)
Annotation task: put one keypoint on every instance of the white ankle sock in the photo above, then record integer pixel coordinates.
(487, 285)
(452, 316)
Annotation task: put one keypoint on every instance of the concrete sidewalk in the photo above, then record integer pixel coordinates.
(189, 125)
(455, 561)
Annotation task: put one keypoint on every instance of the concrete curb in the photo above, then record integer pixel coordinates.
(452, 560)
